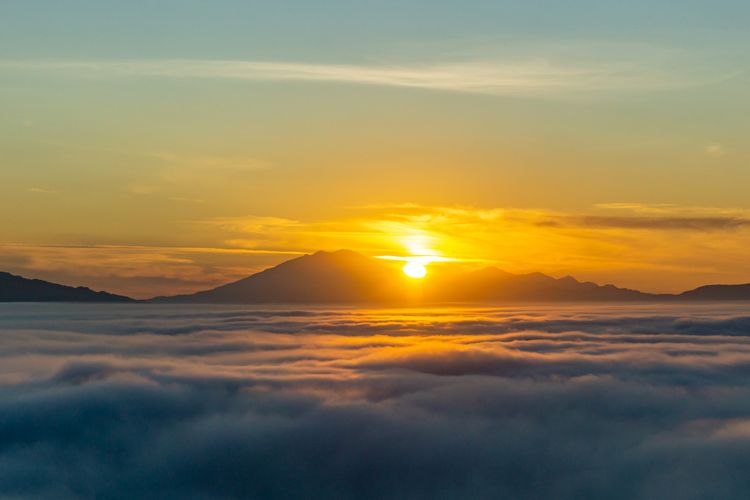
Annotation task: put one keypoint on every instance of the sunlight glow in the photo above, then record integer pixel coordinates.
(419, 243)
(415, 269)
(416, 266)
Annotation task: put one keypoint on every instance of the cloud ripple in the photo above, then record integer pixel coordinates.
(568, 402)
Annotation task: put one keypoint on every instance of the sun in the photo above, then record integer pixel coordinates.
(415, 266)
(415, 270)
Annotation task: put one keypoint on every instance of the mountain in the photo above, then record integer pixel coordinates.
(718, 292)
(18, 289)
(323, 277)
(346, 277)
(349, 277)
(492, 284)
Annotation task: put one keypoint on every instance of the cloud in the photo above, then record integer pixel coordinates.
(654, 223)
(536, 76)
(40, 190)
(186, 200)
(228, 402)
(141, 271)
(714, 150)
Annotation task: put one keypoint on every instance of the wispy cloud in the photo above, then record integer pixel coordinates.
(652, 223)
(714, 150)
(39, 190)
(527, 77)
(187, 200)
(140, 271)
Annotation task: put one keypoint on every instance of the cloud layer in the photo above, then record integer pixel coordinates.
(517, 402)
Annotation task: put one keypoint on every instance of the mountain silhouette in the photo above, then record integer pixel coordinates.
(718, 292)
(345, 276)
(492, 284)
(18, 289)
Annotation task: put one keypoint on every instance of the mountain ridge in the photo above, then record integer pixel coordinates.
(348, 277)
(381, 284)
(718, 292)
(14, 288)
(355, 272)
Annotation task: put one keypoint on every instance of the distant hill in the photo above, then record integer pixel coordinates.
(18, 289)
(718, 292)
(492, 284)
(349, 277)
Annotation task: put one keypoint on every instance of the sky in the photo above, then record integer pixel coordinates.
(165, 147)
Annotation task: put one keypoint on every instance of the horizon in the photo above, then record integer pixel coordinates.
(424, 273)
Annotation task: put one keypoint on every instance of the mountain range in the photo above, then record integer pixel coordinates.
(347, 277)
(18, 289)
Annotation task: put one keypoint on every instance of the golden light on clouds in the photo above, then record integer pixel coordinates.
(648, 247)
(420, 243)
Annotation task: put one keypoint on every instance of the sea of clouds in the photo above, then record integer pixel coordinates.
(524, 402)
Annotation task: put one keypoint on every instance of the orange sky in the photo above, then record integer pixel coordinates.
(653, 248)
(607, 143)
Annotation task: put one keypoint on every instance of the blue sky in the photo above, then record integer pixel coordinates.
(347, 30)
